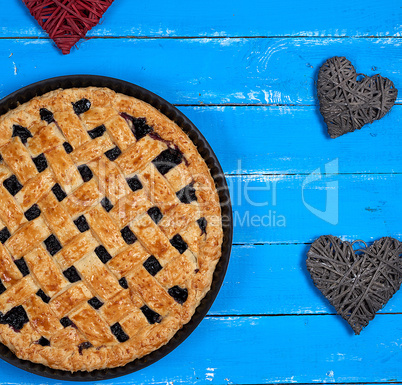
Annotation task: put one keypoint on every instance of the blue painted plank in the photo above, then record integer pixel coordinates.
(258, 350)
(293, 140)
(203, 71)
(271, 208)
(273, 279)
(228, 18)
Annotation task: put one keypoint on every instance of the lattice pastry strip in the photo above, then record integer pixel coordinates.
(151, 236)
(98, 276)
(77, 249)
(72, 128)
(120, 132)
(130, 207)
(45, 270)
(94, 328)
(105, 229)
(137, 156)
(9, 273)
(83, 199)
(111, 181)
(35, 189)
(92, 150)
(118, 307)
(10, 212)
(128, 259)
(17, 294)
(57, 218)
(162, 195)
(153, 294)
(64, 169)
(48, 138)
(69, 299)
(19, 160)
(27, 237)
(41, 317)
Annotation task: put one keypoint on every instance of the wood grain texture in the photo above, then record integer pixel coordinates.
(293, 140)
(228, 18)
(270, 208)
(272, 280)
(204, 71)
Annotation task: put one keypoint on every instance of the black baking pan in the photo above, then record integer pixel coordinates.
(27, 93)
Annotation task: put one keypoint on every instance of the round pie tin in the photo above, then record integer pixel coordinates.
(25, 94)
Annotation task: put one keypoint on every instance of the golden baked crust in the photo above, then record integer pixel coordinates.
(110, 229)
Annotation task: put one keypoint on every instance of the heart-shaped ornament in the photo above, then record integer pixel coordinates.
(346, 103)
(356, 283)
(67, 21)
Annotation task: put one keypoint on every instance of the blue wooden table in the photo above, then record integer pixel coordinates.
(244, 72)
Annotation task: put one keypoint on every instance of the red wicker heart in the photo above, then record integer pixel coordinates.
(67, 21)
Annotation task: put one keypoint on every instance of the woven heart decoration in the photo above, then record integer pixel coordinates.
(356, 283)
(347, 104)
(67, 21)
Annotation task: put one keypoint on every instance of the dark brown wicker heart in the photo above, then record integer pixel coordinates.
(356, 283)
(347, 104)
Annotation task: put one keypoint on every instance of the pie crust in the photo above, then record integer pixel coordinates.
(110, 229)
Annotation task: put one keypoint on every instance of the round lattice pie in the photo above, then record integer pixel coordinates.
(110, 229)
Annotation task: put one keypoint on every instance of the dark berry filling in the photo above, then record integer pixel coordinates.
(22, 132)
(46, 115)
(168, 159)
(85, 172)
(106, 204)
(12, 185)
(113, 153)
(178, 242)
(151, 316)
(40, 162)
(96, 303)
(103, 254)
(138, 126)
(97, 132)
(44, 341)
(152, 265)
(187, 194)
(52, 244)
(68, 147)
(82, 224)
(22, 266)
(33, 212)
(202, 223)
(128, 235)
(4, 234)
(123, 283)
(16, 318)
(83, 346)
(134, 183)
(81, 106)
(40, 293)
(179, 294)
(58, 192)
(66, 322)
(155, 214)
(119, 333)
(3, 288)
(72, 274)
